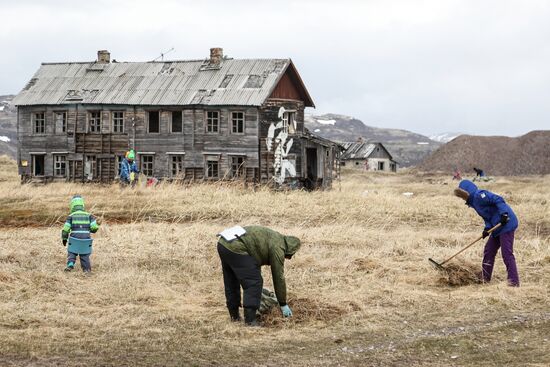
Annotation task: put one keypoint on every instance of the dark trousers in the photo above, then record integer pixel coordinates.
(85, 262)
(241, 271)
(506, 244)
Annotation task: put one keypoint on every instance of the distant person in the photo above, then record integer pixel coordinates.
(76, 231)
(457, 175)
(128, 169)
(242, 251)
(493, 209)
(479, 172)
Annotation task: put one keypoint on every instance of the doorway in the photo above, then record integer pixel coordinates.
(38, 165)
(311, 164)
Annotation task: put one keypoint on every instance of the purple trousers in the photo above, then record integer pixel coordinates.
(506, 244)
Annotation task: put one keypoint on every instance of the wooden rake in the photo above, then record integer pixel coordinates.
(440, 265)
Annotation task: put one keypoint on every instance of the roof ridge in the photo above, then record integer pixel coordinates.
(159, 62)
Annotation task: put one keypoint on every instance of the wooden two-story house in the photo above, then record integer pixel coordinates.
(210, 119)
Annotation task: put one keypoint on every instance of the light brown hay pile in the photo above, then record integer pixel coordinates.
(456, 275)
(306, 310)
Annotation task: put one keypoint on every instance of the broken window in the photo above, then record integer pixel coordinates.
(380, 166)
(154, 122)
(177, 165)
(60, 122)
(212, 121)
(177, 122)
(237, 166)
(226, 80)
(212, 167)
(89, 166)
(147, 165)
(60, 165)
(289, 122)
(94, 122)
(237, 122)
(38, 165)
(39, 123)
(118, 122)
(254, 81)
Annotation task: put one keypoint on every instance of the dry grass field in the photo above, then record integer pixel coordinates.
(361, 288)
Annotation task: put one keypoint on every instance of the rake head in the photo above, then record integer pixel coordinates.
(437, 265)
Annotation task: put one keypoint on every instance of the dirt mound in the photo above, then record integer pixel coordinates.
(496, 155)
(456, 275)
(307, 310)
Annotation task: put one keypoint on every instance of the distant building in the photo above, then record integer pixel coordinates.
(367, 156)
(211, 119)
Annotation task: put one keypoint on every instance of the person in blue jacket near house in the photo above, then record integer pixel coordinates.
(128, 168)
(493, 209)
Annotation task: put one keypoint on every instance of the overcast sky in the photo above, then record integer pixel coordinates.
(472, 66)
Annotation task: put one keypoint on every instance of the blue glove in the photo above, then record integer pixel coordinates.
(286, 311)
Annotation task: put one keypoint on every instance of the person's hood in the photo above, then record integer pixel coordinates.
(77, 203)
(292, 245)
(466, 190)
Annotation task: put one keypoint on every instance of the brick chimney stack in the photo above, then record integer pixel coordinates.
(216, 55)
(103, 57)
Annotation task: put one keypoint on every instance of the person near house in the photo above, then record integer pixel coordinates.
(128, 168)
(457, 174)
(242, 251)
(76, 231)
(479, 172)
(493, 209)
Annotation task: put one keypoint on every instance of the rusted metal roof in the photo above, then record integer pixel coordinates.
(196, 82)
(360, 150)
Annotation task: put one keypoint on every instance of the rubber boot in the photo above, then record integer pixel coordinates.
(70, 266)
(234, 314)
(250, 317)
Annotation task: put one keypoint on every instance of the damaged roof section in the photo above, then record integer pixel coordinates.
(229, 82)
(361, 150)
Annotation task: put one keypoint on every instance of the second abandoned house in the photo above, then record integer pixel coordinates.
(209, 119)
(368, 157)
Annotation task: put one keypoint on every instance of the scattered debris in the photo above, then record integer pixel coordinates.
(408, 194)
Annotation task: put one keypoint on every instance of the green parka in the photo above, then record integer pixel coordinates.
(268, 247)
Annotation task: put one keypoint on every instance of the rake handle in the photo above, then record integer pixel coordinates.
(471, 244)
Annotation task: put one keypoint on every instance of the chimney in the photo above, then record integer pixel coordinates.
(103, 57)
(216, 55)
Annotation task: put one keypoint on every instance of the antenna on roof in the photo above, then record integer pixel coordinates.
(161, 57)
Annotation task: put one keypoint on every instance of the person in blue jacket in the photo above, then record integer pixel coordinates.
(128, 168)
(493, 209)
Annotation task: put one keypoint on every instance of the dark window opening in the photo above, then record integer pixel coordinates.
(380, 166)
(95, 122)
(38, 165)
(237, 166)
(154, 122)
(237, 122)
(212, 169)
(39, 123)
(147, 165)
(177, 122)
(177, 165)
(118, 122)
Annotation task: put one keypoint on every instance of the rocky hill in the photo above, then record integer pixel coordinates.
(496, 155)
(8, 127)
(406, 147)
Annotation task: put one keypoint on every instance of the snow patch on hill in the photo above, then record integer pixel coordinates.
(444, 137)
(5, 139)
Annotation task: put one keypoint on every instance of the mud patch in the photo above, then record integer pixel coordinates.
(306, 310)
(457, 275)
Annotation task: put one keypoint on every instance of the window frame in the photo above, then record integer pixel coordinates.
(149, 122)
(63, 124)
(232, 119)
(214, 159)
(120, 119)
(288, 122)
(55, 162)
(142, 163)
(172, 122)
(181, 170)
(241, 167)
(97, 124)
(34, 123)
(207, 125)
